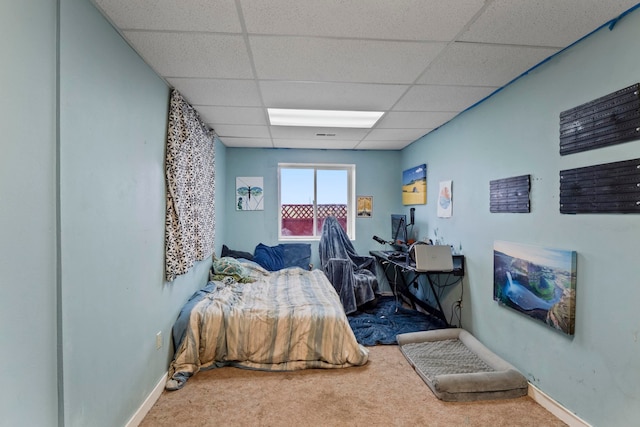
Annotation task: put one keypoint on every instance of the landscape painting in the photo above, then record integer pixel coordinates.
(536, 281)
(414, 185)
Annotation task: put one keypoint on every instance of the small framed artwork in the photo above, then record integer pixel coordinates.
(445, 200)
(365, 207)
(249, 193)
(414, 185)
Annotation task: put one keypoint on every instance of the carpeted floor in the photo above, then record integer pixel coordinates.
(385, 392)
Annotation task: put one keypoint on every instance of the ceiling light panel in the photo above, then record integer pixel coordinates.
(323, 118)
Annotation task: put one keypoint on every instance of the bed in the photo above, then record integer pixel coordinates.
(251, 318)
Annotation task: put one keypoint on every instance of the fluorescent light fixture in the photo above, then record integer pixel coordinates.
(323, 118)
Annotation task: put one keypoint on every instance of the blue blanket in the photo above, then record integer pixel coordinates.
(353, 276)
(381, 324)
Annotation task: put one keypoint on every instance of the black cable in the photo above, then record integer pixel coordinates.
(457, 305)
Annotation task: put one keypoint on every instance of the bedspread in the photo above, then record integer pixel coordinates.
(287, 320)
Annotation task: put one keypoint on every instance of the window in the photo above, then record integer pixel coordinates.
(308, 193)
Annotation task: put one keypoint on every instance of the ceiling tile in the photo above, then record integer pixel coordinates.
(189, 15)
(419, 61)
(231, 115)
(492, 65)
(395, 134)
(542, 22)
(441, 98)
(414, 119)
(315, 144)
(383, 145)
(330, 96)
(320, 59)
(380, 19)
(193, 54)
(246, 142)
(242, 131)
(218, 91)
(293, 132)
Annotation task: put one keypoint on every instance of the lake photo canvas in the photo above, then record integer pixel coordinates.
(536, 281)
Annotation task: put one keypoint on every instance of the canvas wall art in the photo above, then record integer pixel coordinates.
(414, 185)
(536, 281)
(249, 193)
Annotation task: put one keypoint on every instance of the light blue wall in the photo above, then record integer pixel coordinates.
(113, 299)
(28, 361)
(596, 373)
(377, 174)
(113, 118)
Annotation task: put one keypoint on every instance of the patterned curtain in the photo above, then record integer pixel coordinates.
(189, 168)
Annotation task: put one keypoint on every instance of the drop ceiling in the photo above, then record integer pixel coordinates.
(421, 62)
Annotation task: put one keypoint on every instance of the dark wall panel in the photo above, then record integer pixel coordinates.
(510, 194)
(606, 188)
(611, 119)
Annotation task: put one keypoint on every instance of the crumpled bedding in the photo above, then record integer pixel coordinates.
(286, 320)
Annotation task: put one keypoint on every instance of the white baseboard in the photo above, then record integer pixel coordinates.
(142, 411)
(562, 413)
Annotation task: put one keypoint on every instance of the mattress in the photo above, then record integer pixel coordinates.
(285, 320)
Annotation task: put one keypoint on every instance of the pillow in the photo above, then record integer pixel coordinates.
(297, 255)
(226, 252)
(229, 267)
(271, 258)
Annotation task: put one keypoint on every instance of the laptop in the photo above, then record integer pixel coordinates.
(433, 258)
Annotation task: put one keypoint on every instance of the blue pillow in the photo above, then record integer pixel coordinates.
(271, 258)
(297, 255)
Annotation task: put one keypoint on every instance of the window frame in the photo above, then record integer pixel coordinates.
(351, 197)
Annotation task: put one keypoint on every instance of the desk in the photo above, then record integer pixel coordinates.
(405, 275)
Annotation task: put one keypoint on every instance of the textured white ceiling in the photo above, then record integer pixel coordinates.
(422, 62)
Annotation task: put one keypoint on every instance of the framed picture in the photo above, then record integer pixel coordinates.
(537, 282)
(414, 185)
(249, 193)
(365, 207)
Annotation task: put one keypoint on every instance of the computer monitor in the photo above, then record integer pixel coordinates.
(399, 232)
